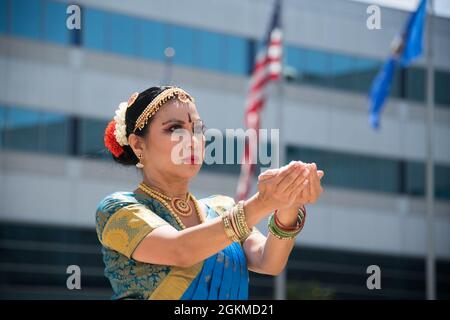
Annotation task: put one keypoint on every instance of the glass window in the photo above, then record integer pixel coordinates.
(2, 124)
(36, 131)
(292, 63)
(55, 16)
(442, 87)
(415, 84)
(367, 70)
(122, 34)
(152, 40)
(26, 18)
(316, 70)
(90, 138)
(182, 40)
(442, 183)
(396, 89)
(210, 51)
(94, 27)
(415, 178)
(3, 16)
(54, 130)
(343, 72)
(22, 130)
(237, 55)
(350, 170)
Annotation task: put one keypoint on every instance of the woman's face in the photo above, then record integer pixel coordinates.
(175, 144)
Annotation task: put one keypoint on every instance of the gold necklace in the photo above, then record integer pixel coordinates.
(181, 206)
(164, 200)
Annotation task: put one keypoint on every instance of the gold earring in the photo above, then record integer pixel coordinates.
(140, 165)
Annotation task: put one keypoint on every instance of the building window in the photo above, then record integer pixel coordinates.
(152, 40)
(22, 130)
(4, 16)
(35, 131)
(370, 173)
(442, 183)
(237, 53)
(211, 47)
(55, 29)
(2, 125)
(91, 132)
(26, 18)
(415, 84)
(94, 29)
(442, 87)
(182, 40)
(121, 34)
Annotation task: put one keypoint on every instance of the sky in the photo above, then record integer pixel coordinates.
(441, 7)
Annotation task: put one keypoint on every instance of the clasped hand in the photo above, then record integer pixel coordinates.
(295, 184)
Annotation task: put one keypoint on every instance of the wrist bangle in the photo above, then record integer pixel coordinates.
(284, 227)
(241, 224)
(283, 232)
(279, 233)
(228, 229)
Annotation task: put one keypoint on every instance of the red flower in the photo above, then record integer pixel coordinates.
(110, 140)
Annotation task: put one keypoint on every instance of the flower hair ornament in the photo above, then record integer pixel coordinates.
(116, 131)
(116, 134)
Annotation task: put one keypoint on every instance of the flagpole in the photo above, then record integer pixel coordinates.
(430, 255)
(280, 280)
(169, 53)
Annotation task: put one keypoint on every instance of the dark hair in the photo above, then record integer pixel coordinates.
(128, 157)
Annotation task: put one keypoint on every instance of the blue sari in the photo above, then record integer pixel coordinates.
(224, 275)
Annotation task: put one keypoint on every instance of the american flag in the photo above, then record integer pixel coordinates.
(267, 68)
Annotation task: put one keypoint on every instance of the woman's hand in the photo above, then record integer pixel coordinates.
(280, 188)
(312, 192)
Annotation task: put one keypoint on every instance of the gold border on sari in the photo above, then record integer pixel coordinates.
(175, 284)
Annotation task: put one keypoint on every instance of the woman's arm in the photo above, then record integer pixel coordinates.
(269, 255)
(167, 246)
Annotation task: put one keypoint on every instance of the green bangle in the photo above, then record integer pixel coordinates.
(281, 234)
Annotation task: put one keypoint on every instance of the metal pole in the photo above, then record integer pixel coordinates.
(169, 53)
(430, 257)
(280, 280)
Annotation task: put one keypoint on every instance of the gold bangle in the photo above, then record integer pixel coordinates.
(232, 218)
(244, 230)
(228, 229)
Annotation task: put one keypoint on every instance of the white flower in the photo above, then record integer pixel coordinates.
(120, 131)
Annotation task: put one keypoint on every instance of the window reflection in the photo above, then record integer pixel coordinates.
(361, 172)
(2, 125)
(152, 40)
(36, 131)
(210, 51)
(94, 29)
(55, 17)
(26, 18)
(182, 40)
(91, 132)
(3, 16)
(121, 35)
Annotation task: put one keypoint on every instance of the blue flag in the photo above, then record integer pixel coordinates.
(408, 47)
